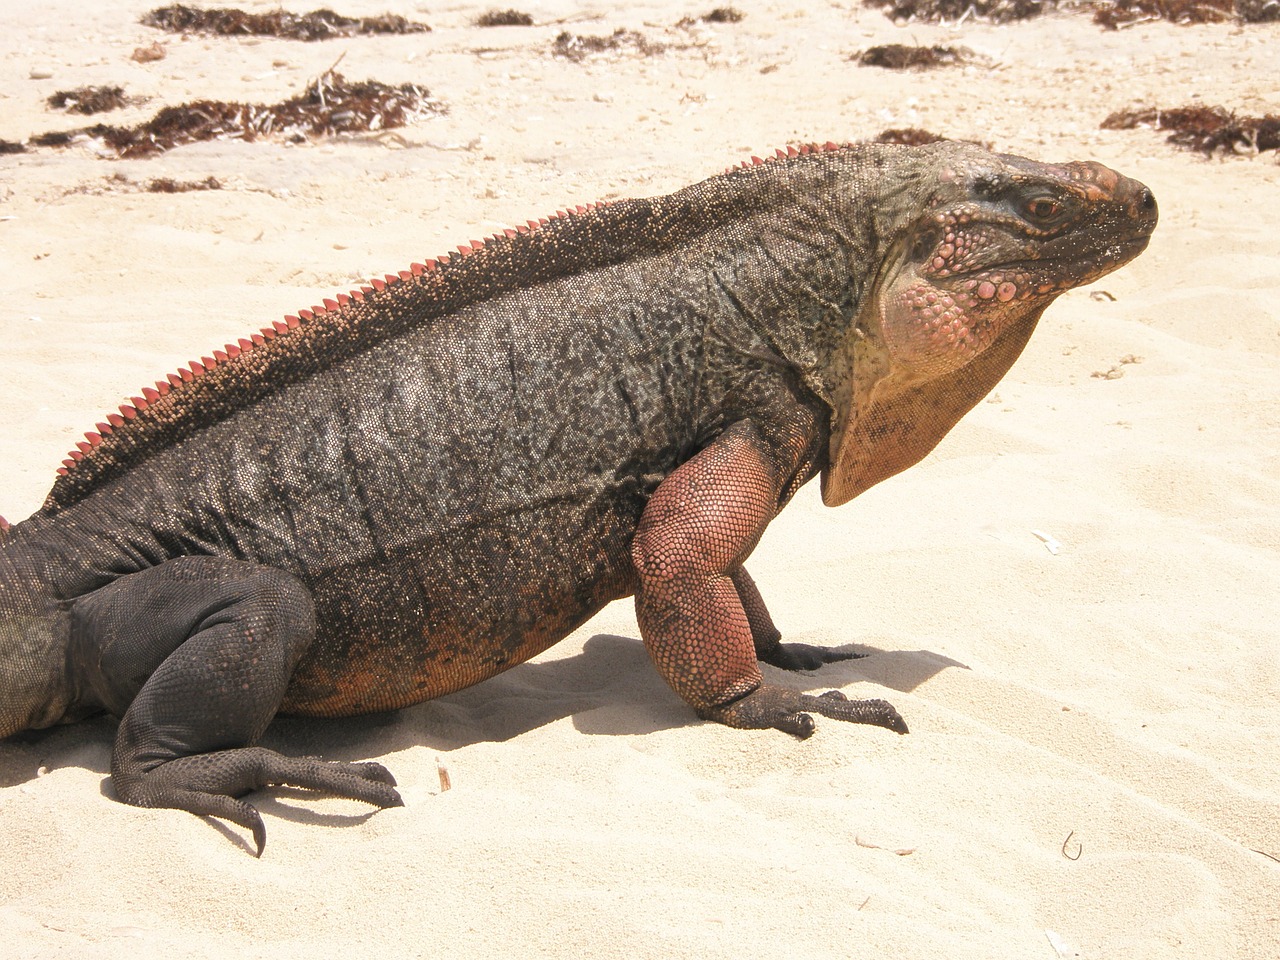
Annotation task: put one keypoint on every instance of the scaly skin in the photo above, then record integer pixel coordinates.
(430, 480)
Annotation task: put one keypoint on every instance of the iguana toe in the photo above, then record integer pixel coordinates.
(788, 710)
(804, 656)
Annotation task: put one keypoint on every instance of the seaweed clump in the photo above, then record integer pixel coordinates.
(89, 100)
(504, 18)
(578, 48)
(901, 56)
(331, 105)
(317, 25)
(169, 185)
(908, 137)
(1114, 14)
(718, 15)
(723, 15)
(1258, 11)
(945, 11)
(1207, 130)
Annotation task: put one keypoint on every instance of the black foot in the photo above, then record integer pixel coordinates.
(787, 710)
(209, 784)
(804, 656)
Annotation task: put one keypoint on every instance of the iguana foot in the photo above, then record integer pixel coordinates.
(210, 784)
(783, 709)
(804, 656)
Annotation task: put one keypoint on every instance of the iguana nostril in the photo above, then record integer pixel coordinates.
(1147, 199)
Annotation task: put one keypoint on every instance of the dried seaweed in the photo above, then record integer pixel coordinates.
(915, 137)
(504, 18)
(908, 137)
(321, 24)
(60, 138)
(330, 106)
(9, 146)
(718, 15)
(89, 100)
(1204, 129)
(953, 11)
(900, 56)
(1258, 11)
(1114, 14)
(169, 185)
(578, 48)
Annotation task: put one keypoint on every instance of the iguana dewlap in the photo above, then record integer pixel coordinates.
(429, 480)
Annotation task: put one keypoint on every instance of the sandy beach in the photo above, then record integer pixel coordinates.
(1094, 764)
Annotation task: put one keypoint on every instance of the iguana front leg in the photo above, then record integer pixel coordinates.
(195, 655)
(697, 529)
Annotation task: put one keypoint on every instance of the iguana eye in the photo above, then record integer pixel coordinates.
(1043, 208)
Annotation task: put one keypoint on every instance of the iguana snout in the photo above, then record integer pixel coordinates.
(1000, 241)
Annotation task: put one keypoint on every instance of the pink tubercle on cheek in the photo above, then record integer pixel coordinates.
(929, 329)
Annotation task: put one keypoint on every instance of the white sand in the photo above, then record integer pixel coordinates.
(1123, 691)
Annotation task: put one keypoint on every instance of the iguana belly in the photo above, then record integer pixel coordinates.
(411, 630)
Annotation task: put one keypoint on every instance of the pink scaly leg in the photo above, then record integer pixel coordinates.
(698, 528)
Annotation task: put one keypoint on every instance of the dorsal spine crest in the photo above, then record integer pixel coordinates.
(258, 365)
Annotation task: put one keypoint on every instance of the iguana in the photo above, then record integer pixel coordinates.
(433, 478)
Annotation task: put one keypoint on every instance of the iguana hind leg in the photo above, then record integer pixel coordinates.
(195, 655)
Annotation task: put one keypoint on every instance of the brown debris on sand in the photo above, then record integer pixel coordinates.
(1114, 14)
(330, 106)
(1204, 129)
(718, 15)
(915, 137)
(901, 56)
(317, 25)
(723, 15)
(907, 137)
(169, 185)
(1258, 11)
(578, 48)
(118, 183)
(504, 18)
(149, 54)
(89, 100)
(953, 11)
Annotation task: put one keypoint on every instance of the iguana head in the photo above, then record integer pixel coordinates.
(1000, 239)
(989, 241)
